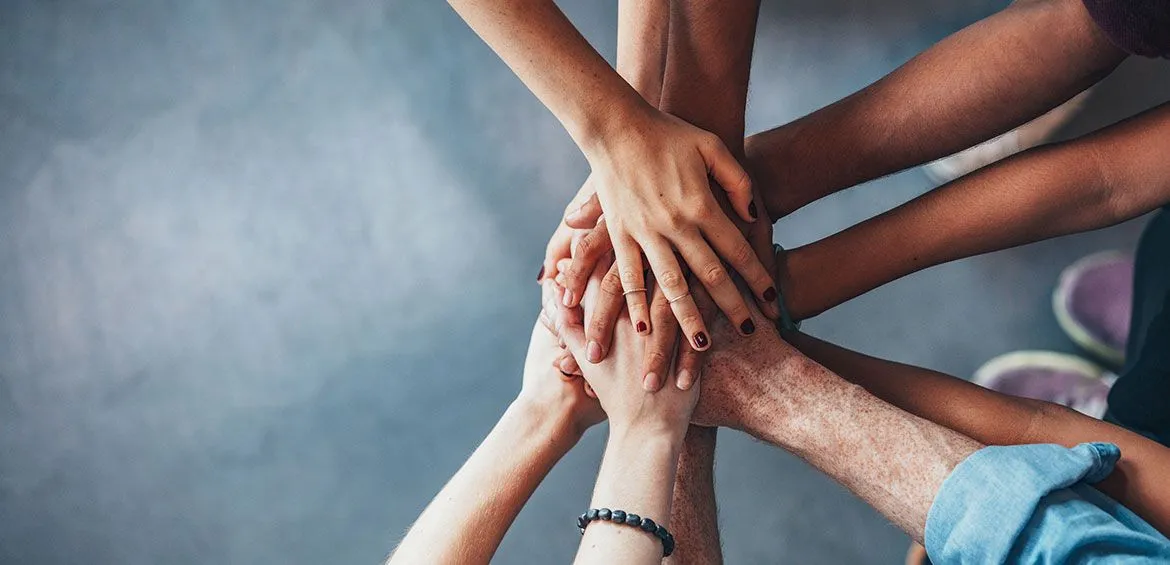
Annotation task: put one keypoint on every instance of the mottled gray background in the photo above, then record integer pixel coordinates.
(266, 274)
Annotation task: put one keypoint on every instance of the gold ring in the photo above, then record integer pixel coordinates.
(643, 289)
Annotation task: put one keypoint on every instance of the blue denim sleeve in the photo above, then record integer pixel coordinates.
(1033, 504)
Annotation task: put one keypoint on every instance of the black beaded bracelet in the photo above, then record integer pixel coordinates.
(621, 517)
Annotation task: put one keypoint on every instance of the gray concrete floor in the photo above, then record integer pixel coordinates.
(266, 275)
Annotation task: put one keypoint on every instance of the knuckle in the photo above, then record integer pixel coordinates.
(598, 328)
(629, 277)
(672, 280)
(713, 275)
(743, 254)
(655, 358)
(611, 284)
(692, 320)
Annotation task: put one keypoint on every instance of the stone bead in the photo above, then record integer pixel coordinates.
(618, 516)
(648, 525)
(633, 519)
(604, 513)
(591, 515)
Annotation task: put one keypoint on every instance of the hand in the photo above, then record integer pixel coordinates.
(594, 246)
(553, 393)
(561, 243)
(624, 398)
(652, 184)
(731, 371)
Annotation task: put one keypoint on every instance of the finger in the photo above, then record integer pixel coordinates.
(570, 329)
(660, 343)
(730, 175)
(730, 244)
(558, 247)
(689, 363)
(759, 236)
(669, 276)
(567, 364)
(709, 270)
(628, 259)
(605, 312)
(589, 391)
(594, 246)
(585, 216)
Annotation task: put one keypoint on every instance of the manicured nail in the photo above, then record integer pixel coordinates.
(568, 298)
(770, 294)
(651, 383)
(752, 211)
(540, 275)
(684, 380)
(593, 352)
(701, 340)
(748, 327)
(566, 365)
(641, 327)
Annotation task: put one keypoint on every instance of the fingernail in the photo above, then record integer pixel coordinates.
(560, 278)
(568, 298)
(752, 211)
(593, 352)
(683, 382)
(701, 339)
(650, 382)
(641, 327)
(540, 275)
(770, 294)
(748, 327)
(566, 367)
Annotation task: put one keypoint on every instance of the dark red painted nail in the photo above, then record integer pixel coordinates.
(641, 327)
(770, 294)
(701, 339)
(540, 276)
(752, 211)
(748, 327)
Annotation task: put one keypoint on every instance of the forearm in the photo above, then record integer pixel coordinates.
(468, 518)
(708, 65)
(993, 418)
(555, 62)
(1113, 175)
(694, 516)
(982, 81)
(637, 476)
(893, 460)
(642, 35)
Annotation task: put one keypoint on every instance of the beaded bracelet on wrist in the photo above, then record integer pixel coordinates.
(633, 520)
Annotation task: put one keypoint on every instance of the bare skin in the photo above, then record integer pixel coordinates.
(993, 418)
(650, 169)
(1102, 179)
(467, 519)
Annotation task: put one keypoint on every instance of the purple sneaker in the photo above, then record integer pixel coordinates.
(1044, 375)
(1093, 302)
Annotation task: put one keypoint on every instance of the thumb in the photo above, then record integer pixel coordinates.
(585, 216)
(726, 171)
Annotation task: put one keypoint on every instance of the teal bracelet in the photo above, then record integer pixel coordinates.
(633, 520)
(785, 322)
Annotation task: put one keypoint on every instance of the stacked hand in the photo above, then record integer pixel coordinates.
(653, 196)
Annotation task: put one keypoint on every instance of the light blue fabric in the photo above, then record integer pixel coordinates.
(1033, 504)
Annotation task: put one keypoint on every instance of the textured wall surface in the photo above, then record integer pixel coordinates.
(266, 275)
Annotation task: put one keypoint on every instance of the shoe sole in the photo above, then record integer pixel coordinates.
(986, 375)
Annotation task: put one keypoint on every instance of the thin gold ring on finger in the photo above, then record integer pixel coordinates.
(633, 290)
(677, 298)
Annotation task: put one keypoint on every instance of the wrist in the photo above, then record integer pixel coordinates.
(546, 421)
(652, 433)
(603, 129)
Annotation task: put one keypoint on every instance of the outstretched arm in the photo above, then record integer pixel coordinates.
(1115, 174)
(693, 512)
(978, 83)
(467, 519)
(993, 418)
(650, 169)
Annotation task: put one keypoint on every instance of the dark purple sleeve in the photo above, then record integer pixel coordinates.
(1140, 27)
